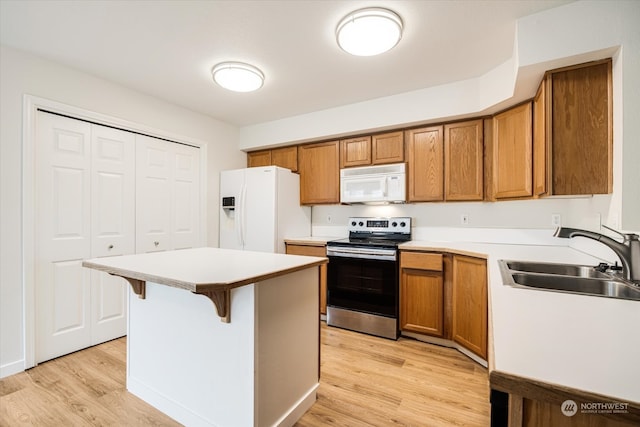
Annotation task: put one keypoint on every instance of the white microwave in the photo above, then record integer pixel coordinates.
(373, 184)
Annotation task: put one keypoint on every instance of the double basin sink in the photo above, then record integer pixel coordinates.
(577, 279)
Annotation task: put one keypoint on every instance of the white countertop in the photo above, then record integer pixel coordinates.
(203, 269)
(585, 342)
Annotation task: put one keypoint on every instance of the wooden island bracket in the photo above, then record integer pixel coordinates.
(222, 300)
(139, 286)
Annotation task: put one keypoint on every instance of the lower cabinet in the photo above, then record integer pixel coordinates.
(320, 251)
(421, 293)
(445, 296)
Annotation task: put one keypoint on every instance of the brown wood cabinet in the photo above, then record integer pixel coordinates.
(445, 296)
(313, 250)
(372, 150)
(355, 152)
(511, 153)
(285, 157)
(470, 303)
(421, 293)
(425, 164)
(580, 129)
(445, 162)
(541, 111)
(318, 165)
(463, 160)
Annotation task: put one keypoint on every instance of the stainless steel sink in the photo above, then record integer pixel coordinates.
(577, 279)
(560, 269)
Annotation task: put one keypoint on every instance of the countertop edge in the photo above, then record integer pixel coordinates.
(202, 287)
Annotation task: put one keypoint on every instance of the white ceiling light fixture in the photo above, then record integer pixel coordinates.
(370, 31)
(238, 76)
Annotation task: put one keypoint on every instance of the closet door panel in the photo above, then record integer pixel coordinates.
(154, 194)
(63, 235)
(113, 226)
(186, 226)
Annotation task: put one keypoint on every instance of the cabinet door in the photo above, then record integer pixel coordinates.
(285, 157)
(355, 152)
(421, 293)
(319, 173)
(425, 164)
(319, 251)
(259, 158)
(463, 161)
(387, 148)
(422, 308)
(512, 153)
(469, 302)
(581, 128)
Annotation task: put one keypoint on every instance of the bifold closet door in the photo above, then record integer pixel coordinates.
(84, 208)
(168, 195)
(112, 226)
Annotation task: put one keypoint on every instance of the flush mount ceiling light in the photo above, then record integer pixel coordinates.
(368, 32)
(238, 76)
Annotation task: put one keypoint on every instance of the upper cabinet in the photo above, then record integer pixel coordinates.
(463, 160)
(372, 150)
(510, 154)
(285, 157)
(578, 130)
(425, 164)
(445, 162)
(319, 173)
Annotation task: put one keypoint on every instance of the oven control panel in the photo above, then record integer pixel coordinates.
(388, 225)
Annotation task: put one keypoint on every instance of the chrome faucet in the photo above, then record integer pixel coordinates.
(628, 250)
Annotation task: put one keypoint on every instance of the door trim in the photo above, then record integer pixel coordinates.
(31, 105)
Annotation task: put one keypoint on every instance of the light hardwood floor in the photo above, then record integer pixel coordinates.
(366, 381)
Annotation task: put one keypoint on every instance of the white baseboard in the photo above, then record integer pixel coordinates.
(298, 409)
(12, 368)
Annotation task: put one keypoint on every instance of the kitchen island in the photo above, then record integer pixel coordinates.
(222, 337)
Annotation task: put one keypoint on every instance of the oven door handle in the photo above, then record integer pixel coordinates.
(377, 254)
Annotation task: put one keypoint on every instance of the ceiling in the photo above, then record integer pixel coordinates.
(166, 49)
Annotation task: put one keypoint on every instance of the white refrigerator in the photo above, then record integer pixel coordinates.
(260, 207)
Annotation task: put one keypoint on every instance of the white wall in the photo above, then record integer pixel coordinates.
(570, 34)
(21, 74)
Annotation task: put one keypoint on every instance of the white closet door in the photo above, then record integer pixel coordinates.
(113, 226)
(167, 195)
(63, 233)
(186, 204)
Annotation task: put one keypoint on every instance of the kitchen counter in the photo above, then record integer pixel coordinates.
(260, 368)
(583, 342)
(311, 240)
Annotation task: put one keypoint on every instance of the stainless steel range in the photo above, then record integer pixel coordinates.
(362, 276)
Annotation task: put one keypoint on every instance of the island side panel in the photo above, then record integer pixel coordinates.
(287, 347)
(185, 362)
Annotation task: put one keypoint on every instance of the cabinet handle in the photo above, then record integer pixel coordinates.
(110, 247)
(156, 243)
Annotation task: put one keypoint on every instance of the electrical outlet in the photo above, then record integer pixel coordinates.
(329, 219)
(464, 219)
(556, 220)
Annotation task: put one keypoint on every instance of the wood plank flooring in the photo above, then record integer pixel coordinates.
(366, 381)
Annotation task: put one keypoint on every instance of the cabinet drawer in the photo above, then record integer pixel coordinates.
(421, 261)
(320, 251)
